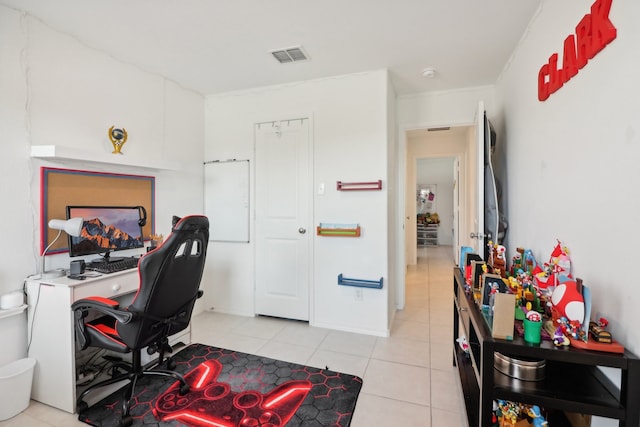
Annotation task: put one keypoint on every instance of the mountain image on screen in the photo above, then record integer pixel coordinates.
(96, 235)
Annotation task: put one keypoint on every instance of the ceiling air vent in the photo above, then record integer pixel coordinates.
(291, 54)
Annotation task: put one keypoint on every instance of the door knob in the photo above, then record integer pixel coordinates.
(302, 230)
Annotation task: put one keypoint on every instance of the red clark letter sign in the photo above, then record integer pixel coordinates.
(594, 31)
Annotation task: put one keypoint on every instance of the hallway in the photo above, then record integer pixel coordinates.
(429, 307)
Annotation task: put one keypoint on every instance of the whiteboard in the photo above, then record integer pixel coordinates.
(226, 200)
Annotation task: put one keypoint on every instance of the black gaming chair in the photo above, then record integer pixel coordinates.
(169, 286)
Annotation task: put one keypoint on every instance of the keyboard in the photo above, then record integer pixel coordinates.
(112, 267)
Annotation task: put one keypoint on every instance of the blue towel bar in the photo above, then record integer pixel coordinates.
(374, 284)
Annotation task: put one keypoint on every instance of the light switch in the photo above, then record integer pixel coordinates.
(321, 189)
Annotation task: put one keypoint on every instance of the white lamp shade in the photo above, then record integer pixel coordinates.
(72, 227)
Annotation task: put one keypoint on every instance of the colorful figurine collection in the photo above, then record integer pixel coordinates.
(546, 293)
(550, 290)
(513, 414)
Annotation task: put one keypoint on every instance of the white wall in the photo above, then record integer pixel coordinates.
(394, 200)
(350, 138)
(447, 108)
(56, 90)
(572, 161)
(18, 256)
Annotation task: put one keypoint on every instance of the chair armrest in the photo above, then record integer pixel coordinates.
(103, 305)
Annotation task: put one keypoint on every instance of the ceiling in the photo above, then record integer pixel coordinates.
(215, 46)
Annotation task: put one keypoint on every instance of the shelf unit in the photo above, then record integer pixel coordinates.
(427, 234)
(573, 381)
(359, 186)
(361, 283)
(340, 230)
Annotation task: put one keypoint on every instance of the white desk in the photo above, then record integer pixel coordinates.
(51, 339)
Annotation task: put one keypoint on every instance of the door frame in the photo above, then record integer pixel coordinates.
(401, 234)
(311, 201)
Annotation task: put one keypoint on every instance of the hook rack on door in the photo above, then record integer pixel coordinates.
(374, 284)
(352, 186)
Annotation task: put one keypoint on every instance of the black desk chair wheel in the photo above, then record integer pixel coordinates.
(170, 278)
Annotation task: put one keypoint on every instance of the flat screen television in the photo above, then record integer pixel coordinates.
(106, 229)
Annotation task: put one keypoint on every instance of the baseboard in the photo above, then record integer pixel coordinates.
(364, 331)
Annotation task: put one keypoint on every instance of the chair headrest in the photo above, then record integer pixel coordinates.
(190, 223)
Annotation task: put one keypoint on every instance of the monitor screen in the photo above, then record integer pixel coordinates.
(105, 229)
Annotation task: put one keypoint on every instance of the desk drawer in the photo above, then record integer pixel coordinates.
(107, 286)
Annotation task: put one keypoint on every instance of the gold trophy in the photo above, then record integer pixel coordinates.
(117, 137)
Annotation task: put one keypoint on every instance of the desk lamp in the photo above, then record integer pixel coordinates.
(73, 227)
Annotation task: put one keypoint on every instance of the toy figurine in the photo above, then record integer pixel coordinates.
(559, 264)
(464, 345)
(530, 263)
(497, 259)
(597, 331)
(559, 339)
(538, 419)
(517, 263)
(571, 328)
(494, 416)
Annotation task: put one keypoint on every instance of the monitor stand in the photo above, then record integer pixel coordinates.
(106, 258)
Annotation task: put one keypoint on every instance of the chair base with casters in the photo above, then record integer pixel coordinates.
(133, 374)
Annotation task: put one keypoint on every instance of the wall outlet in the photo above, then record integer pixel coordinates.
(359, 295)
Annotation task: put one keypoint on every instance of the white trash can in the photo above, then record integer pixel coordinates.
(15, 387)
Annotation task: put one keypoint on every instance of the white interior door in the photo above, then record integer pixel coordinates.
(477, 233)
(282, 220)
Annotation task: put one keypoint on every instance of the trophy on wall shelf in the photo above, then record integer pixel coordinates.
(117, 137)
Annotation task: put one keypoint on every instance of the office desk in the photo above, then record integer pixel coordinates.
(51, 338)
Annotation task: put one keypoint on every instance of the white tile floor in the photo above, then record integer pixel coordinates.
(408, 377)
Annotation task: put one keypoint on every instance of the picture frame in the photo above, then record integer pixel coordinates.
(489, 281)
(476, 274)
(471, 256)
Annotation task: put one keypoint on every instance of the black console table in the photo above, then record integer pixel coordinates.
(573, 382)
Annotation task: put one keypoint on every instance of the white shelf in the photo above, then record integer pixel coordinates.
(12, 311)
(61, 153)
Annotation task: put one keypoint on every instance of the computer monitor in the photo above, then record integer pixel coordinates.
(106, 229)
